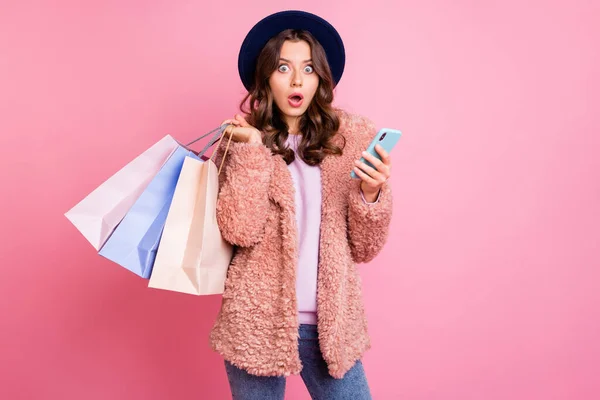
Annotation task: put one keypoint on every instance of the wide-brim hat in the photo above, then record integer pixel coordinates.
(273, 24)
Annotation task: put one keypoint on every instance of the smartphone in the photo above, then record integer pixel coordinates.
(387, 138)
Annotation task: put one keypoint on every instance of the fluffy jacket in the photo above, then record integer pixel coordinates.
(257, 326)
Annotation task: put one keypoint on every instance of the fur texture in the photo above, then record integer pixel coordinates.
(257, 326)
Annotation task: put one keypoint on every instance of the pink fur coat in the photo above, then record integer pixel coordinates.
(257, 326)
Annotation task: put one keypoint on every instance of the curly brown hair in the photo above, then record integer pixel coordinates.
(319, 124)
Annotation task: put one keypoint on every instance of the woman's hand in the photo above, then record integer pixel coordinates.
(241, 130)
(373, 179)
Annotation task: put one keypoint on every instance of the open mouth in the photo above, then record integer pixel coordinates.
(295, 100)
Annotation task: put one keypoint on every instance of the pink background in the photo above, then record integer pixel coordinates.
(489, 285)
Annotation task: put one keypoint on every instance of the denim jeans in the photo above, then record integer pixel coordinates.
(315, 375)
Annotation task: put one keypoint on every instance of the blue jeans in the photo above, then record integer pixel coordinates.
(315, 375)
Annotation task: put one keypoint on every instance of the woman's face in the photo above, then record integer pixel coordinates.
(295, 75)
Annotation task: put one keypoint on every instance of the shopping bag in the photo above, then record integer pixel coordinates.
(192, 256)
(135, 240)
(97, 215)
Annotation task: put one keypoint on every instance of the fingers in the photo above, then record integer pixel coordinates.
(237, 128)
(385, 157)
(229, 130)
(229, 122)
(234, 121)
(231, 125)
(382, 167)
(371, 172)
(373, 160)
(364, 176)
(241, 120)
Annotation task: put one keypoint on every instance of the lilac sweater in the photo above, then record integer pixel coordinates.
(307, 185)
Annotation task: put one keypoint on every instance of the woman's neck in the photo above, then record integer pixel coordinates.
(292, 123)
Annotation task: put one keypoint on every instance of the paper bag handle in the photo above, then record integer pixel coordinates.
(217, 136)
(216, 133)
(225, 153)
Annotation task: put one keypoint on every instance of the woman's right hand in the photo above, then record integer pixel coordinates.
(241, 130)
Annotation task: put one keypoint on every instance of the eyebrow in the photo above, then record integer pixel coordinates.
(286, 60)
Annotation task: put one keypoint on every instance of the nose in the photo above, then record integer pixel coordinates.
(297, 79)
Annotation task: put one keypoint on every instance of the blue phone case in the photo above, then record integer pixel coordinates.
(387, 138)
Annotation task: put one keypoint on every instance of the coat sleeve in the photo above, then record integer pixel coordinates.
(368, 223)
(243, 202)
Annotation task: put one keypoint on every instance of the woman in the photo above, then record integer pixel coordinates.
(299, 223)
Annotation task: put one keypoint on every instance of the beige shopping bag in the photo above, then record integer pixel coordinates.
(192, 255)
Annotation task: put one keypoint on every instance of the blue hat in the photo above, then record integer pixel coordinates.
(273, 24)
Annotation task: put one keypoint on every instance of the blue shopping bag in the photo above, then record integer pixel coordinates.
(134, 242)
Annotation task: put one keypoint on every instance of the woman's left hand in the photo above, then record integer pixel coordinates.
(373, 179)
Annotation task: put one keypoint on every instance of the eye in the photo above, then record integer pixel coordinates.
(283, 66)
(308, 69)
